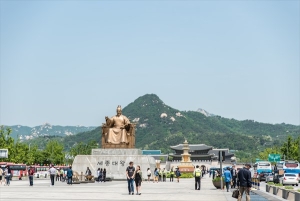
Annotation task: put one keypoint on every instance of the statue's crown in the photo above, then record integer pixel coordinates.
(119, 108)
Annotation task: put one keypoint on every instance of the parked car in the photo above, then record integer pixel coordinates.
(289, 178)
(269, 177)
(262, 176)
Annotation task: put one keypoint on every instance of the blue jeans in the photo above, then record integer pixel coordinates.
(227, 185)
(130, 185)
(31, 180)
(70, 180)
(7, 180)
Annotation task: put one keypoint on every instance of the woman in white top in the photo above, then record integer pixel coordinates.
(148, 174)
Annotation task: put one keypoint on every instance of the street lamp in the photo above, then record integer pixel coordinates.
(287, 145)
(29, 146)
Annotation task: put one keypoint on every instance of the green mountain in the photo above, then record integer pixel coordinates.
(159, 126)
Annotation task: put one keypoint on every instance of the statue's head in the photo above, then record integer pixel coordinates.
(119, 110)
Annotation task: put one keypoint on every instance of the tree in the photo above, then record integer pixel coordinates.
(290, 148)
(7, 142)
(82, 149)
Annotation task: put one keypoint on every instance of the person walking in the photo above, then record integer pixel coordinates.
(138, 179)
(244, 182)
(61, 174)
(1, 174)
(172, 174)
(228, 178)
(130, 173)
(7, 176)
(234, 175)
(164, 173)
(156, 174)
(159, 174)
(148, 174)
(197, 175)
(30, 175)
(52, 172)
(57, 174)
(104, 175)
(178, 174)
(70, 175)
(99, 174)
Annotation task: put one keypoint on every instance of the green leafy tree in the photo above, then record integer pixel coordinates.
(82, 149)
(7, 142)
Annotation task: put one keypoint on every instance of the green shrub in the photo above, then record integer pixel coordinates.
(271, 183)
(218, 179)
(289, 187)
(187, 175)
(298, 190)
(278, 185)
(183, 175)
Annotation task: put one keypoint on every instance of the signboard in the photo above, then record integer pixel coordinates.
(274, 157)
(3, 153)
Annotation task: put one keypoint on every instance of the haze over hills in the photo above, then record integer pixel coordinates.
(26, 133)
(160, 126)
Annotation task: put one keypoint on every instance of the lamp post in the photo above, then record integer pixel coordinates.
(287, 145)
(29, 146)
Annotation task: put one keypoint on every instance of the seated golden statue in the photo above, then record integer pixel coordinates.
(118, 131)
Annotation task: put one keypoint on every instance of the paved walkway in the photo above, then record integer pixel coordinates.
(113, 191)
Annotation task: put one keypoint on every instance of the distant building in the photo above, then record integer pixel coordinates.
(200, 152)
(228, 154)
(151, 152)
(197, 151)
(156, 154)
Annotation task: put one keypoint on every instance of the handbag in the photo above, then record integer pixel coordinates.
(235, 193)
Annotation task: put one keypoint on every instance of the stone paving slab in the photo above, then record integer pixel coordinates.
(113, 191)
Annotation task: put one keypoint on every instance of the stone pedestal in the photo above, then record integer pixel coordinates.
(115, 161)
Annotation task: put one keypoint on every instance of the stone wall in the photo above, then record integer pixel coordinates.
(115, 161)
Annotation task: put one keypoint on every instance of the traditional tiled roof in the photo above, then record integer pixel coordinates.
(193, 156)
(193, 147)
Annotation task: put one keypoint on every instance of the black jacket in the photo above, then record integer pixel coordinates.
(231, 171)
(244, 178)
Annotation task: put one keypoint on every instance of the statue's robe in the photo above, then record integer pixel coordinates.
(116, 135)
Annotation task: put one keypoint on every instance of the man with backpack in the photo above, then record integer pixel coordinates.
(30, 175)
(178, 174)
(197, 175)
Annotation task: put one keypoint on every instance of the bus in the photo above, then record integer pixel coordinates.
(279, 165)
(40, 170)
(43, 170)
(262, 167)
(17, 170)
(291, 167)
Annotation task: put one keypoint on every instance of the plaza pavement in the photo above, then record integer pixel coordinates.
(113, 191)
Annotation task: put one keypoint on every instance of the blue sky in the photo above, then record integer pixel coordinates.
(73, 62)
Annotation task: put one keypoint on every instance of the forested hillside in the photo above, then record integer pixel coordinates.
(160, 126)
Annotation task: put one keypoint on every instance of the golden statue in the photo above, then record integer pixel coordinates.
(118, 132)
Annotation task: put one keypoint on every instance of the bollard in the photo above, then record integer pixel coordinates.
(258, 184)
(81, 176)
